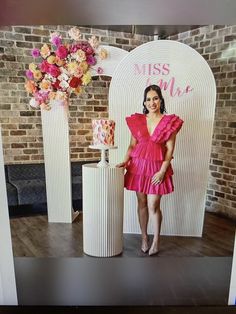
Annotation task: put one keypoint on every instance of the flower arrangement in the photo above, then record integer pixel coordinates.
(64, 68)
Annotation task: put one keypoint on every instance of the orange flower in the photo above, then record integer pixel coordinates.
(45, 84)
(30, 87)
(59, 61)
(78, 90)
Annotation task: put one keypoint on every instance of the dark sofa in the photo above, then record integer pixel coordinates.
(26, 187)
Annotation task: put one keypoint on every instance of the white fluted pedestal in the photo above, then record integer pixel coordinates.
(103, 201)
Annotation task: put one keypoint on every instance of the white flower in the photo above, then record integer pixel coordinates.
(63, 77)
(74, 33)
(50, 78)
(94, 42)
(64, 71)
(34, 103)
(64, 84)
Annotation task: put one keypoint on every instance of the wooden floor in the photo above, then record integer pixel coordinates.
(33, 236)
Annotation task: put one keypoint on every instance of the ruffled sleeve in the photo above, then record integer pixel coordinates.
(171, 124)
(136, 124)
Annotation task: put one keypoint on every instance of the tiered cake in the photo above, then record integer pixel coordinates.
(103, 132)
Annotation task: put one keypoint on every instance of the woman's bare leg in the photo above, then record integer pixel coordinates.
(156, 216)
(143, 219)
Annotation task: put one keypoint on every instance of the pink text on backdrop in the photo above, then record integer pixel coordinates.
(152, 69)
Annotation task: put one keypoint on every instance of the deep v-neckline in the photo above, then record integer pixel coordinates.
(155, 126)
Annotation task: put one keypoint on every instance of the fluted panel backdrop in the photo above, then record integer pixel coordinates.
(8, 294)
(178, 69)
(103, 210)
(108, 65)
(57, 163)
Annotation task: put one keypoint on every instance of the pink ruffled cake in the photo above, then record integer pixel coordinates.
(103, 132)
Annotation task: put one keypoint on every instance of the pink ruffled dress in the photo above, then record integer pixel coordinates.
(148, 154)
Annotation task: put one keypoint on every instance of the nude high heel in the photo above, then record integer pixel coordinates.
(144, 246)
(153, 250)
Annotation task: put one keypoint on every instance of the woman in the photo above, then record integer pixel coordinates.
(147, 161)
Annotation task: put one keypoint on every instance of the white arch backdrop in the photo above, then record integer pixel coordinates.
(57, 151)
(189, 90)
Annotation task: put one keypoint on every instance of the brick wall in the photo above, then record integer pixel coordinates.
(217, 44)
(21, 125)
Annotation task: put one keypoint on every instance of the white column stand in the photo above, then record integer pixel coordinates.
(57, 163)
(103, 197)
(8, 295)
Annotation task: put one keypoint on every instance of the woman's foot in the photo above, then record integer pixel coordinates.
(144, 246)
(154, 249)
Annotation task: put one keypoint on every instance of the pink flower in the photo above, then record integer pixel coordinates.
(41, 96)
(56, 41)
(54, 70)
(61, 52)
(35, 53)
(29, 75)
(91, 60)
(44, 66)
(73, 48)
(89, 50)
(99, 70)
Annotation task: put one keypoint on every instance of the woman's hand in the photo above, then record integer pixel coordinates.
(158, 177)
(122, 165)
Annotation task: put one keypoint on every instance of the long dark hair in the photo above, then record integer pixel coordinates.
(158, 91)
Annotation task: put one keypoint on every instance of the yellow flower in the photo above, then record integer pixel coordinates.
(30, 87)
(84, 66)
(80, 55)
(37, 75)
(45, 51)
(72, 67)
(45, 84)
(59, 62)
(103, 53)
(32, 67)
(51, 59)
(86, 78)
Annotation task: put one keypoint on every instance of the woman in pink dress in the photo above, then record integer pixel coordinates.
(148, 161)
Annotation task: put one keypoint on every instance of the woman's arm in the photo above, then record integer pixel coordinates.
(170, 145)
(132, 143)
